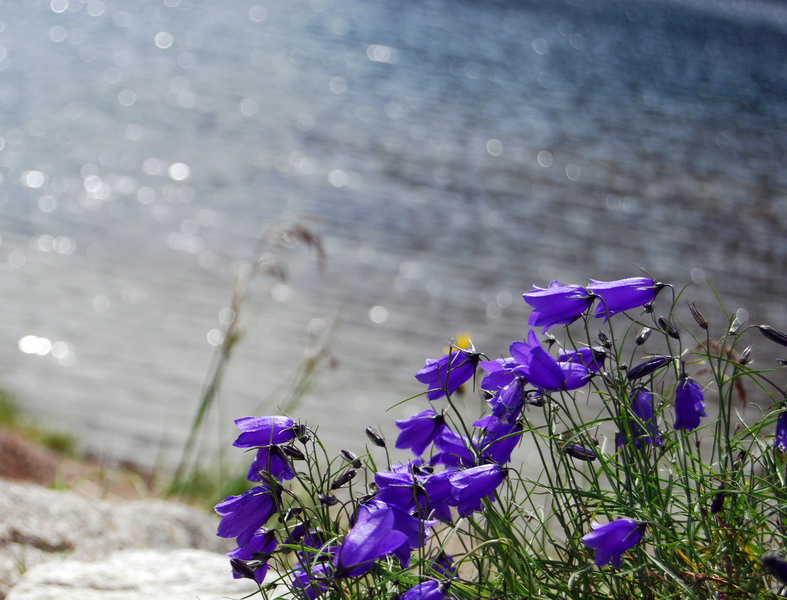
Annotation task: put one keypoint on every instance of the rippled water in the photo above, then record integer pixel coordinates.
(457, 152)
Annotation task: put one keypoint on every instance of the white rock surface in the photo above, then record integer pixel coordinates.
(38, 526)
(135, 575)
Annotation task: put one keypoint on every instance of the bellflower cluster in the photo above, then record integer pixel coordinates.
(356, 529)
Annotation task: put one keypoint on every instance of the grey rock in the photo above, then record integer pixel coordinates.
(38, 525)
(135, 575)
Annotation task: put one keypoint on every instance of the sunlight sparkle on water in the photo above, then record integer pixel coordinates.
(179, 171)
(163, 40)
(378, 314)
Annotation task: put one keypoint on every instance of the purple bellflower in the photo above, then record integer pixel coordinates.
(473, 484)
(420, 430)
(508, 402)
(545, 372)
(313, 582)
(500, 439)
(454, 451)
(444, 564)
(263, 431)
(243, 515)
(590, 358)
(623, 294)
(254, 556)
(500, 373)
(380, 529)
(557, 304)
(271, 459)
(428, 590)
(579, 452)
(445, 375)
(610, 541)
(689, 404)
(426, 495)
(642, 407)
(780, 442)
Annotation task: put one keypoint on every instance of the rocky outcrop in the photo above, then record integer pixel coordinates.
(40, 526)
(135, 575)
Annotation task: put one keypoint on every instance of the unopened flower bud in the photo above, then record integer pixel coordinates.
(698, 316)
(718, 500)
(375, 437)
(327, 500)
(745, 358)
(666, 325)
(773, 335)
(302, 433)
(579, 452)
(342, 479)
(351, 458)
(291, 512)
(604, 340)
(648, 367)
(293, 453)
(642, 336)
(241, 568)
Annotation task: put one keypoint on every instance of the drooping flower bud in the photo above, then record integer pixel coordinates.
(579, 452)
(698, 316)
(745, 358)
(375, 437)
(773, 335)
(648, 367)
(666, 325)
(293, 453)
(345, 477)
(351, 458)
(643, 336)
(604, 340)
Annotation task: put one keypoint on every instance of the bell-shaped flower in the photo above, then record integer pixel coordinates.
(780, 441)
(642, 407)
(264, 431)
(253, 556)
(272, 460)
(543, 371)
(610, 541)
(423, 494)
(471, 485)
(557, 304)
(590, 358)
(500, 373)
(243, 515)
(445, 375)
(623, 294)
(313, 581)
(454, 451)
(508, 402)
(689, 404)
(420, 430)
(444, 564)
(379, 530)
(499, 440)
(428, 590)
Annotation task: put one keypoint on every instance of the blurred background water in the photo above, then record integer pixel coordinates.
(457, 151)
